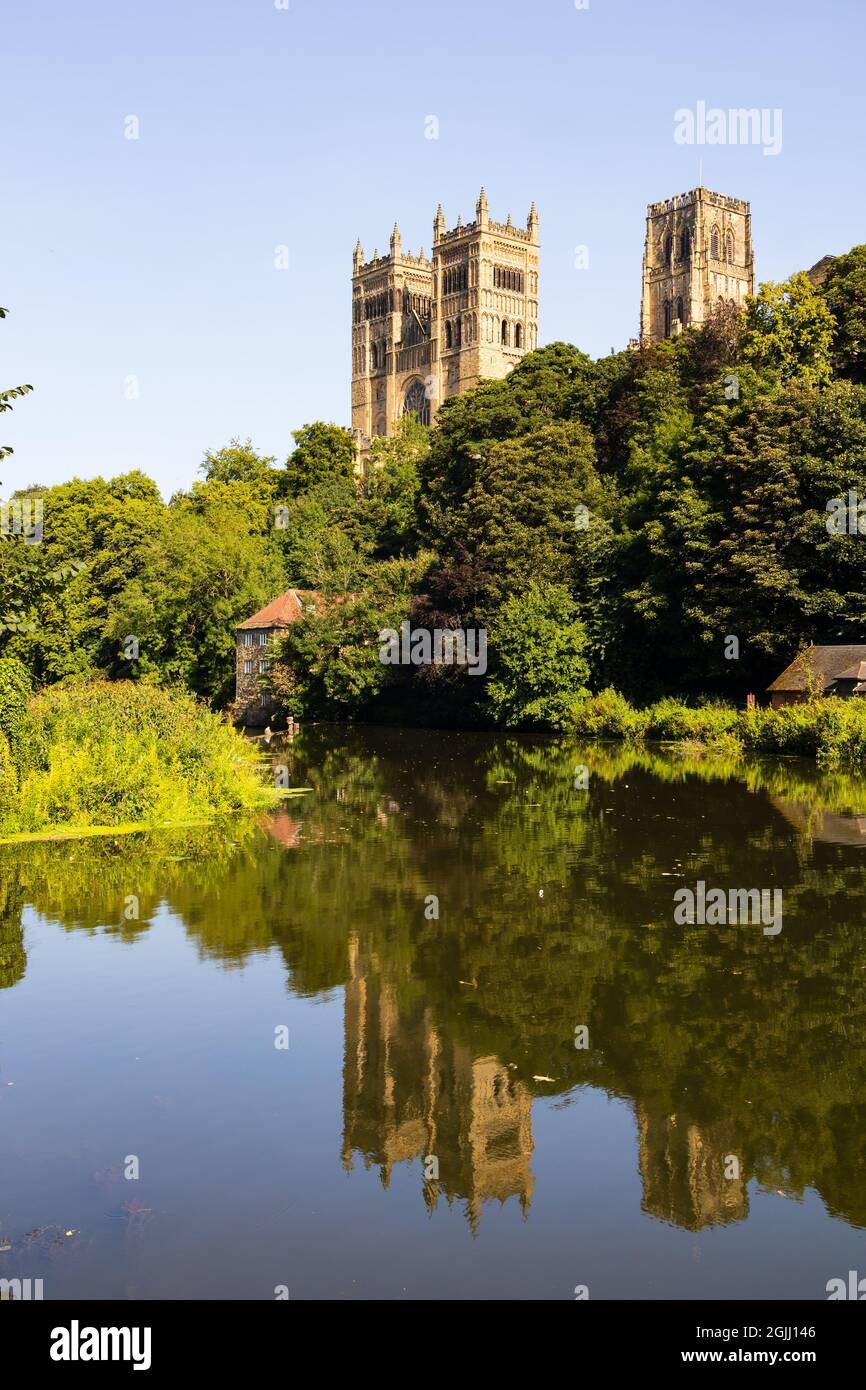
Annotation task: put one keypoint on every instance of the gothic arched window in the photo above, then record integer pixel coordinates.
(448, 335)
(714, 243)
(374, 356)
(729, 247)
(667, 318)
(518, 335)
(685, 245)
(505, 332)
(669, 248)
(416, 402)
(680, 309)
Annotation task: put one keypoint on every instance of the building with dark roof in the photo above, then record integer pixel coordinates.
(820, 671)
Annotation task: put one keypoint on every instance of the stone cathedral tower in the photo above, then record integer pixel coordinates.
(697, 256)
(425, 329)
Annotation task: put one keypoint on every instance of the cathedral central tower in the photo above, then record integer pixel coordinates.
(697, 257)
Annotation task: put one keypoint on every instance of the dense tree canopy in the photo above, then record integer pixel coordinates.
(652, 504)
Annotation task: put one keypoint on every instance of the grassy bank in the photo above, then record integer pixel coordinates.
(832, 731)
(115, 754)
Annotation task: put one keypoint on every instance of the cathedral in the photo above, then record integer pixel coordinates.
(426, 329)
(697, 258)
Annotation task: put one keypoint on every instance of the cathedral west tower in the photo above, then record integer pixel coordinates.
(426, 329)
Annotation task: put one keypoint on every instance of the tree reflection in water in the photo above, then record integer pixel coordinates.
(725, 1042)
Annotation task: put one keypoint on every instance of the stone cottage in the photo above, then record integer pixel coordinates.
(255, 639)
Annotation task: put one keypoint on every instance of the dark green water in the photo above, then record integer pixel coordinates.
(708, 1142)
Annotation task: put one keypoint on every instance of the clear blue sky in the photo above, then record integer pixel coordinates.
(305, 127)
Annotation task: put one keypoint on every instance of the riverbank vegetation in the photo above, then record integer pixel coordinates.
(609, 523)
(115, 754)
(832, 731)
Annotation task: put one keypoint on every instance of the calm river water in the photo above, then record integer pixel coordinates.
(432, 1031)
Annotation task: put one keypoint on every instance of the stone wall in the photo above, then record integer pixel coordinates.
(249, 709)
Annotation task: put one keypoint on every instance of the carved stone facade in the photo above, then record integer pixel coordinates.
(698, 256)
(424, 330)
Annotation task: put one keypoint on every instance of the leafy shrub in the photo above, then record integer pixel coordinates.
(15, 690)
(833, 731)
(608, 715)
(8, 775)
(113, 754)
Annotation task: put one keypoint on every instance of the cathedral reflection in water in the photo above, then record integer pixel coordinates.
(409, 1093)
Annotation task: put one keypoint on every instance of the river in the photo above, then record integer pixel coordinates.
(432, 1031)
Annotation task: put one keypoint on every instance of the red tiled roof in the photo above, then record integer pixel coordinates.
(283, 611)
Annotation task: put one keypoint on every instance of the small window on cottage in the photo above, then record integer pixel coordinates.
(263, 667)
(248, 668)
(263, 700)
(248, 639)
(263, 639)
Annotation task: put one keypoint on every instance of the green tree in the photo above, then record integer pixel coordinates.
(539, 670)
(321, 452)
(15, 691)
(328, 664)
(789, 328)
(540, 510)
(8, 396)
(389, 504)
(238, 462)
(206, 568)
(845, 293)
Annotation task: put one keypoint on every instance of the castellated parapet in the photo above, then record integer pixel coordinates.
(424, 329)
(698, 257)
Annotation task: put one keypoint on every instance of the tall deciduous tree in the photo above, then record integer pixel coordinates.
(322, 452)
(7, 397)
